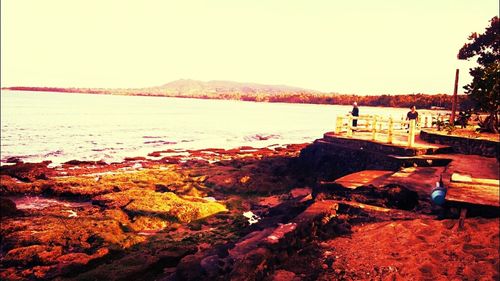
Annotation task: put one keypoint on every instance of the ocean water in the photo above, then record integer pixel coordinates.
(59, 127)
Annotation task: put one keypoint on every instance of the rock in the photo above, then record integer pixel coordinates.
(261, 137)
(222, 182)
(76, 258)
(10, 274)
(24, 255)
(252, 265)
(189, 268)
(8, 208)
(169, 160)
(279, 233)
(133, 159)
(283, 275)
(164, 188)
(166, 204)
(50, 255)
(42, 272)
(85, 163)
(78, 261)
(148, 223)
(143, 262)
(10, 185)
(401, 197)
(300, 192)
(89, 186)
(28, 172)
(211, 266)
(13, 160)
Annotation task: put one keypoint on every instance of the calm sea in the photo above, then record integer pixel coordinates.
(59, 127)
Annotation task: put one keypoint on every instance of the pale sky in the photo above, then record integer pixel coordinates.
(362, 47)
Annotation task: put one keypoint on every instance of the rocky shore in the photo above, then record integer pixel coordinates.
(239, 214)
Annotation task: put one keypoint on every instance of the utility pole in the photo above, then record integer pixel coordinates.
(454, 102)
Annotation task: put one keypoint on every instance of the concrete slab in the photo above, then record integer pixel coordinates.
(365, 177)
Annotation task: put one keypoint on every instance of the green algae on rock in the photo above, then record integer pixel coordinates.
(166, 205)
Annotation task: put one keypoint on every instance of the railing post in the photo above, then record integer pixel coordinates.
(411, 134)
(338, 125)
(349, 127)
(374, 127)
(389, 133)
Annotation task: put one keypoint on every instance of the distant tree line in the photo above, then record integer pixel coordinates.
(419, 100)
(423, 101)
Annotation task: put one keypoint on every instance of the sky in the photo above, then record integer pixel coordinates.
(351, 47)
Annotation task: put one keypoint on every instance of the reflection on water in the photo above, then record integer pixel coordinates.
(38, 202)
(60, 127)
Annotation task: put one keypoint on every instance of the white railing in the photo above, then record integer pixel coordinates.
(379, 126)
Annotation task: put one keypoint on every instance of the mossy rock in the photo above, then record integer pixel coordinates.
(166, 205)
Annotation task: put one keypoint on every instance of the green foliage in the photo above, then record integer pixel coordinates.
(485, 124)
(484, 90)
(440, 122)
(463, 118)
(449, 128)
(443, 124)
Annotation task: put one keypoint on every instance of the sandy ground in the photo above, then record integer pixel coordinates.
(418, 249)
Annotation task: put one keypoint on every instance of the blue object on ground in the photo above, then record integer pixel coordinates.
(438, 195)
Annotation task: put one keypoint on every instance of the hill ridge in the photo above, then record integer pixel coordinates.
(183, 85)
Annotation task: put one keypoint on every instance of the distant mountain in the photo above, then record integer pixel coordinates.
(186, 86)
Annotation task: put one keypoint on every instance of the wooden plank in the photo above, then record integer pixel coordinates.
(486, 181)
(456, 177)
(473, 193)
(465, 178)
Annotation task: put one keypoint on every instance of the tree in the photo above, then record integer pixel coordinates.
(484, 90)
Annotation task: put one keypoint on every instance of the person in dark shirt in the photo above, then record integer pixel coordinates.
(463, 118)
(412, 114)
(355, 112)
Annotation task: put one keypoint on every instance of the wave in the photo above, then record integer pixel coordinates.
(261, 137)
(160, 142)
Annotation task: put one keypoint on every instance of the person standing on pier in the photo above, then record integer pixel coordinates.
(412, 115)
(355, 113)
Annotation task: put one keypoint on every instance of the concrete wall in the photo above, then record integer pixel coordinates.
(326, 160)
(464, 145)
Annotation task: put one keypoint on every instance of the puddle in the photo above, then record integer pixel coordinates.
(148, 232)
(38, 202)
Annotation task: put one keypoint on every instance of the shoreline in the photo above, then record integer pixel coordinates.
(181, 154)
